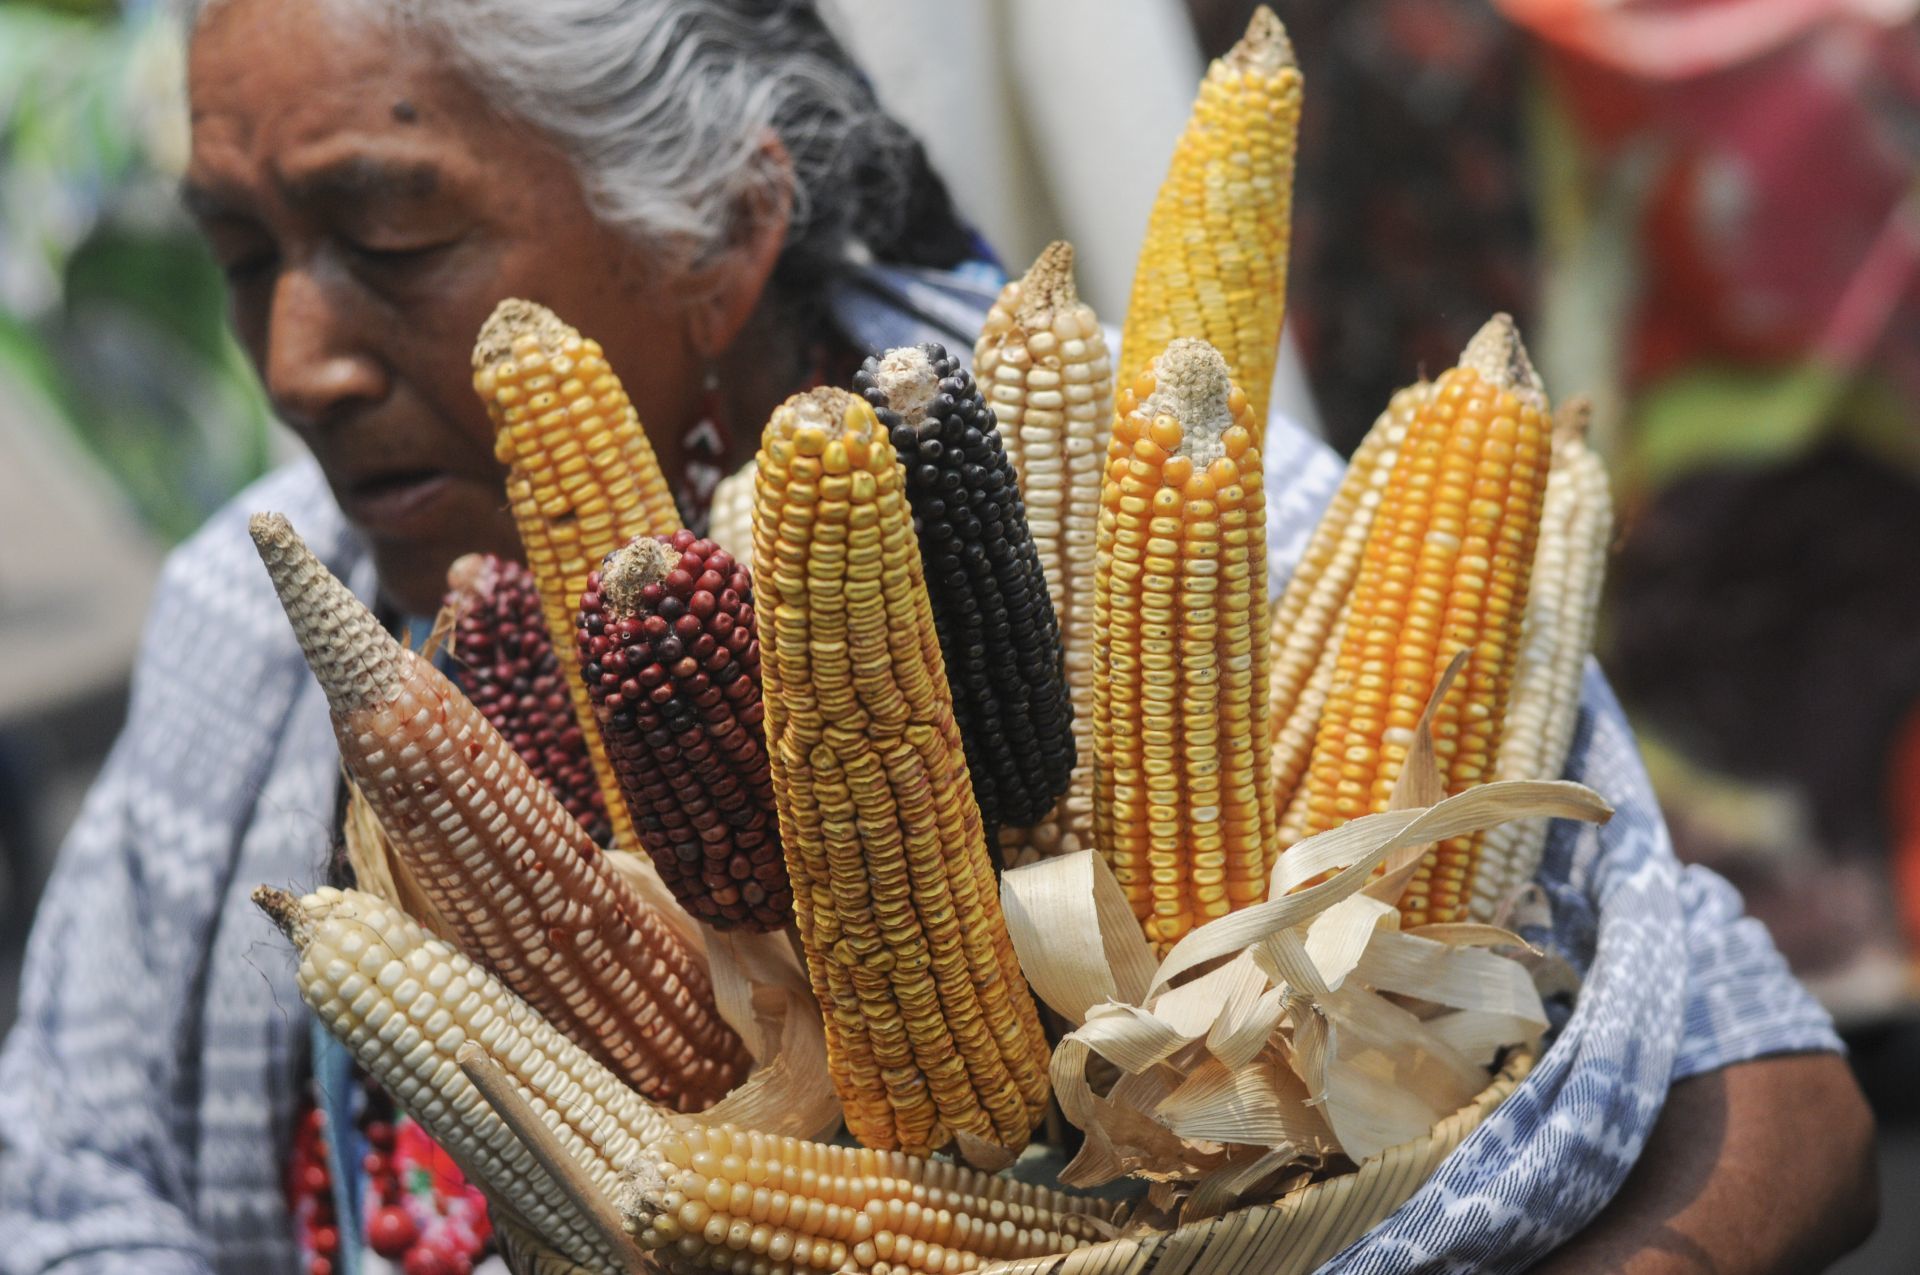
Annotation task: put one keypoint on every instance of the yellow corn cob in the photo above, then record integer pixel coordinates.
(581, 478)
(1042, 362)
(1214, 264)
(1562, 607)
(405, 1002)
(730, 515)
(931, 1030)
(1311, 614)
(523, 887)
(1445, 568)
(729, 1199)
(1182, 807)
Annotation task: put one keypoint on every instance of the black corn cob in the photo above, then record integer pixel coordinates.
(998, 633)
(503, 659)
(668, 651)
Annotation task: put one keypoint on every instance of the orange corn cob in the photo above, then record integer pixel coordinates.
(524, 888)
(581, 477)
(1446, 567)
(931, 1030)
(1214, 264)
(1182, 809)
(1311, 615)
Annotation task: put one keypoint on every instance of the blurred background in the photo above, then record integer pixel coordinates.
(1704, 213)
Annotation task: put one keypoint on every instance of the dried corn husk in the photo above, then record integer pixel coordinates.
(1297, 1232)
(380, 871)
(1305, 1030)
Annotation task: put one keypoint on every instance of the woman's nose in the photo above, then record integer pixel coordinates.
(319, 363)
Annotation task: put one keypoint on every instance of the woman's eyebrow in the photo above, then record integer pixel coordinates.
(204, 203)
(361, 177)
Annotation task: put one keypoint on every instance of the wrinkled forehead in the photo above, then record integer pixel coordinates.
(272, 77)
(190, 12)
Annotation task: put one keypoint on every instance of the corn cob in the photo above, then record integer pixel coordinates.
(1042, 362)
(730, 516)
(1214, 263)
(405, 1002)
(1182, 808)
(998, 634)
(524, 888)
(1562, 607)
(730, 1199)
(581, 478)
(667, 647)
(1311, 615)
(504, 660)
(1446, 567)
(930, 1027)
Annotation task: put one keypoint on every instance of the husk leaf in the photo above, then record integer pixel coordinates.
(761, 990)
(380, 870)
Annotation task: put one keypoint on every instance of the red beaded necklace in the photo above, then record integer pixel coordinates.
(704, 447)
(421, 1213)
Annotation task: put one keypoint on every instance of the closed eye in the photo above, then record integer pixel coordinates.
(249, 266)
(398, 256)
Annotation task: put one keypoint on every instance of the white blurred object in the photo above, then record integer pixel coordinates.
(1048, 121)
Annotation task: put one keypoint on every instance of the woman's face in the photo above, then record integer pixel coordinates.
(369, 211)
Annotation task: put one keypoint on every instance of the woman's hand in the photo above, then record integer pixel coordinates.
(1764, 1167)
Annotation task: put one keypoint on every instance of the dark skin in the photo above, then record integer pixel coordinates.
(1765, 1168)
(370, 211)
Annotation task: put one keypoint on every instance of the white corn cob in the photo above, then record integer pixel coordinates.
(736, 1200)
(404, 1003)
(1311, 615)
(1569, 567)
(730, 514)
(1042, 362)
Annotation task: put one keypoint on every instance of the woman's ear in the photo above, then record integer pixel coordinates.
(725, 290)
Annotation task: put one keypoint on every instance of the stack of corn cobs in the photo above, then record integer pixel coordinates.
(952, 618)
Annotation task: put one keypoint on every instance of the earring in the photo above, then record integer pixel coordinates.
(703, 456)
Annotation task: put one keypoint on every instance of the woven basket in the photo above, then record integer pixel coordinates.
(524, 1252)
(1290, 1236)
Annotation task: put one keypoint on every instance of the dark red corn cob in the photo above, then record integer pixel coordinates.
(503, 659)
(668, 651)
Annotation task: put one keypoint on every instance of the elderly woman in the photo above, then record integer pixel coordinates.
(709, 188)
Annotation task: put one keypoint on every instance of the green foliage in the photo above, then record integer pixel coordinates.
(110, 308)
(1712, 415)
(1717, 416)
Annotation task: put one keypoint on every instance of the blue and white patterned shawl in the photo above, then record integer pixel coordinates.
(147, 1093)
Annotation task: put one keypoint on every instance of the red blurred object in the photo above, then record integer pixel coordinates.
(423, 1260)
(1677, 39)
(1783, 223)
(391, 1231)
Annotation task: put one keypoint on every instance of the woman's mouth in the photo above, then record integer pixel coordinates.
(404, 503)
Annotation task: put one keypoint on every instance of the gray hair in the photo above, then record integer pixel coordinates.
(664, 106)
